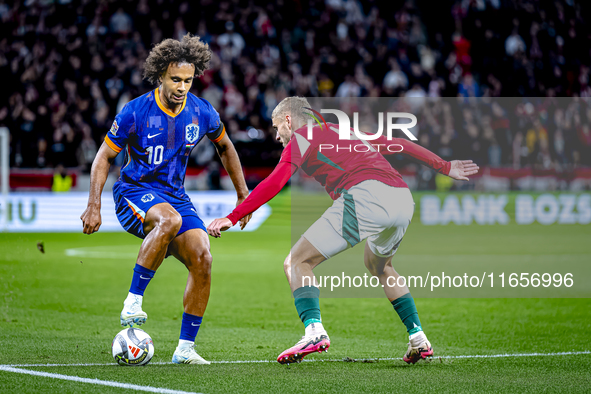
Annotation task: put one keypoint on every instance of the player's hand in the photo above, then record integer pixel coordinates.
(245, 219)
(462, 169)
(91, 219)
(216, 227)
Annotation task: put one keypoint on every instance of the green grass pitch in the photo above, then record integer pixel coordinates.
(64, 309)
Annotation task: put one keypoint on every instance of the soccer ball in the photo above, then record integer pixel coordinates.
(132, 346)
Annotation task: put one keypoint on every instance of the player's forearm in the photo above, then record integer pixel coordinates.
(98, 178)
(422, 155)
(264, 192)
(231, 163)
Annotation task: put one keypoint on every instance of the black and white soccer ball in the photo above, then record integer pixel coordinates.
(132, 346)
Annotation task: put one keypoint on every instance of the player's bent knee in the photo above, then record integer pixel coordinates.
(299, 265)
(376, 272)
(375, 269)
(206, 259)
(287, 264)
(170, 224)
(201, 262)
(164, 219)
(176, 221)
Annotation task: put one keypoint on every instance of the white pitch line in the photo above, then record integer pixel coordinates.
(94, 381)
(520, 355)
(468, 356)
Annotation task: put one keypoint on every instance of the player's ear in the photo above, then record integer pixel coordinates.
(288, 120)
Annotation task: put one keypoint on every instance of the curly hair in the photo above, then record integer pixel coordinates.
(189, 50)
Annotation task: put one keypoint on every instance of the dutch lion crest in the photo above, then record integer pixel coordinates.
(192, 132)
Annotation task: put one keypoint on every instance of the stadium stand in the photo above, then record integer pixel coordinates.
(69, 66)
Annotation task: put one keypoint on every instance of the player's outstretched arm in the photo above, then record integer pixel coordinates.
(91, 217)
(456, 169)
(416, 153)
(261, 194)
(461, 169)
(231, 163)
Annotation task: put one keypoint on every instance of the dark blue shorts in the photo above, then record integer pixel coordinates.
(133, 202)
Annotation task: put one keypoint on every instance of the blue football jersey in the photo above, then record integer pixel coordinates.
(158, 142)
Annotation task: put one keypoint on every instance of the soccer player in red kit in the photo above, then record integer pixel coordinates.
(371, 201)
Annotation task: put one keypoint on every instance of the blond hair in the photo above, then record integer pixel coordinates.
(294, 106)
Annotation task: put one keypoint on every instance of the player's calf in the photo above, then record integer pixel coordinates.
(418, 345)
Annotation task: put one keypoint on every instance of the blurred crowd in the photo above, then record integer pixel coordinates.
(545, 133)
(70, 65)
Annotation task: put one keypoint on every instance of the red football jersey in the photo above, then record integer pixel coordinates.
(337, 164)
(340, 164)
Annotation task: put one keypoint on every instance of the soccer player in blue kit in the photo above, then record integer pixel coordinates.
(158, 131)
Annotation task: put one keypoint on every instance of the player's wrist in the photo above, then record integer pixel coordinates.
(232, 217)
(242, 194)
(446, 168)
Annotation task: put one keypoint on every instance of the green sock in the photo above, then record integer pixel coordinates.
(307, 304)
(407, 310)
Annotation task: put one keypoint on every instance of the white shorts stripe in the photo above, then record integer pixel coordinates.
(382, 215)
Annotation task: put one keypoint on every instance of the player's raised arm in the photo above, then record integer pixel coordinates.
(91, 217)
(456, 169)
(283, 124)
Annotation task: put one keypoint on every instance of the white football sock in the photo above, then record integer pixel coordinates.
(315, 329)
(185, 343)
(417, 338)
(131, 298)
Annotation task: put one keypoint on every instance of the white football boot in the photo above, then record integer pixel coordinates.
(186, 354)
(419, 348)
(132, 311)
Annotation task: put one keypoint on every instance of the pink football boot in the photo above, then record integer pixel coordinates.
(418, 348)
(305, 346)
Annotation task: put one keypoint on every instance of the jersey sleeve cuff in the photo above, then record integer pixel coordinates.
(218, 134)
(446, 168)
(112, 145)
(233, 218)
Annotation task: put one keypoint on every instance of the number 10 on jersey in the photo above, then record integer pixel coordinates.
(155, 153)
